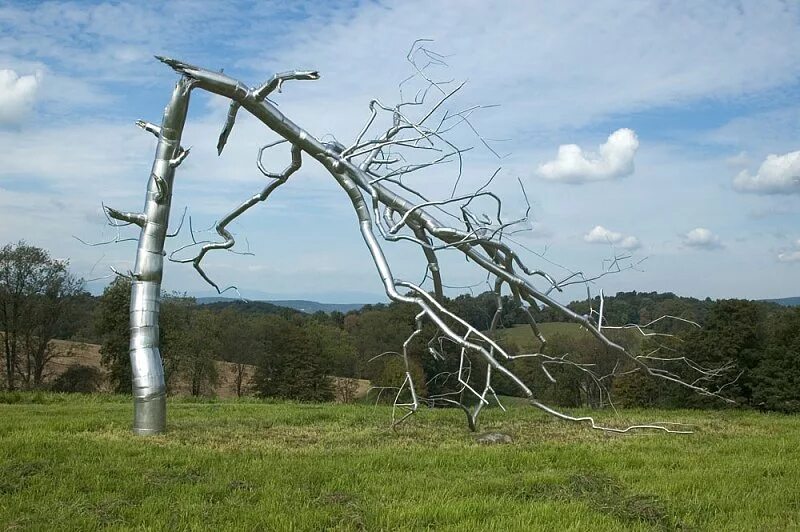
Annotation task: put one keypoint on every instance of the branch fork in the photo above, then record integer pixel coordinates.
(480, 238)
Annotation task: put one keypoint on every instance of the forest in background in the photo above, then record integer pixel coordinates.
(295, 353)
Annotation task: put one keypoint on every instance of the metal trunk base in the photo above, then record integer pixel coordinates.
(150, 415)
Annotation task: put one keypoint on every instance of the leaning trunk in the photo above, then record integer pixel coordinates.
(149, 390)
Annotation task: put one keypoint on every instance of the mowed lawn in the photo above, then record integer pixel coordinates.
(70, 462)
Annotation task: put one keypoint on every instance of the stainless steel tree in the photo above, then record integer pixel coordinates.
(149, 390)
(371, 171)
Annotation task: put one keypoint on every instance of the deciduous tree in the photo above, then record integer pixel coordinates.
(36, 291)
(112, 323)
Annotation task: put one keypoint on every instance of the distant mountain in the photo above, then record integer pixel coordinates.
(254, 307)
(311, 307)
(785, 301)
(335, 297)
(209, 300)
(274, 306)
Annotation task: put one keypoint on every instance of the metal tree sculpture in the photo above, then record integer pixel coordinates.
(370, 171)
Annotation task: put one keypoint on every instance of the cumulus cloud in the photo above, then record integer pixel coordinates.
(701, 238)
(601, 235)
(614, 159)
(17, 95)
(778, 174)
(790, 255)
(754, 47)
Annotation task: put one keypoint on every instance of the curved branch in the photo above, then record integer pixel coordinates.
(221, 227)
(479, 243)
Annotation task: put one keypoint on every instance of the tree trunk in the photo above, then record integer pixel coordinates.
(43, 354)
(239, 379)
(149, 390)
(10, 362)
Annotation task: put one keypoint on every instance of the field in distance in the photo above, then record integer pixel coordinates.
(70, 462)
(522, 336)
(85, 354)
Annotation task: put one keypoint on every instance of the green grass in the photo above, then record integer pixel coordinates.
(71, 463)
(522, 336)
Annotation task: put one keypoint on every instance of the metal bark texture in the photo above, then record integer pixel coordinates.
(147, 371)
(371, 171)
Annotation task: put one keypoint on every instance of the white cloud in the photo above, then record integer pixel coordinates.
(601, 235)
(614, 159)
(739, 160)
(17, 95)
(701, 238)
(778, 174)
(790, 255)
(554, 65)
(97, 69)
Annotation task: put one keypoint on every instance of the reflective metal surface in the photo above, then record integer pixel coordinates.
(149, 390)
(369, 172)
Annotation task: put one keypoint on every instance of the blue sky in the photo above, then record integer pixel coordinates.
(667, 131)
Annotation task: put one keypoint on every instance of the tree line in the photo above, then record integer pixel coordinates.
(38, 299)
(279, 352)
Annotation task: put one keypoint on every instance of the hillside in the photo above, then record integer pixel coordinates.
(75, 353)
(785, 301)
(522, 336)
(256, 307)
(311, 307)
(277, 306)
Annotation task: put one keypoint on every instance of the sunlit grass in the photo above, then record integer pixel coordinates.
(523, 339)
(70, 462)
(521, 336)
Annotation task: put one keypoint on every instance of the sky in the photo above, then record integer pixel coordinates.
(664, 132)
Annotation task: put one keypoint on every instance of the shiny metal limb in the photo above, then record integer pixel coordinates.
(259, 94)
(408, 380)
(136, 218)
(149, 390)
(368, 167)
(432, 267)
(221, 227)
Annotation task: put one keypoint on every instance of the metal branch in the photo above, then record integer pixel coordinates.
(481, 242)
(221, 227)
(115, 240)
(180, 224)
(411, 407)
(260, 94)
(149, 127)
(177, 160)
(136, 218)
(433, 262)
(662, 426)
(156, 131)
(276, 82)
(641, 328)
(230, 120)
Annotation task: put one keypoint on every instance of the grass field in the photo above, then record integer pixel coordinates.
(70, 462)
(522, 336)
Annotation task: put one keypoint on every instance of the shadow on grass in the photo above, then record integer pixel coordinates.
(14, 475)
(349, 514)
(607, 495)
